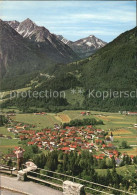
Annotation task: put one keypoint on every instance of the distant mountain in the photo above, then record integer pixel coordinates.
(112, 68)
(48, 42)
(56, 45)
(17, 55)
(84, 47)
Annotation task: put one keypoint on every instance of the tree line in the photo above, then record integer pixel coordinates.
(83, 122)
(84, 166)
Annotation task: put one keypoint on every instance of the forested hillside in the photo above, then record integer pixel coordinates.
(112, 68)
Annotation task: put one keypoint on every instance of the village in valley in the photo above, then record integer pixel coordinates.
(95, 146)
(68, 100)
(99, 142)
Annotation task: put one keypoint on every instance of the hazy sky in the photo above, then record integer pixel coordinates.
(75, 19)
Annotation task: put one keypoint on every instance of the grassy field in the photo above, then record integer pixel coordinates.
(5, 93)
(122, 126)
(63, 118)
(76, 98)
(120, 170)
(11, 109)
(129, 151)
(6, 144)
(4, 131)
(40, 121)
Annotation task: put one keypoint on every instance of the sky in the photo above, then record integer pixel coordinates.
(75, 19)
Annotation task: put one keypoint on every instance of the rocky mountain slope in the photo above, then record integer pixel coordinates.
(48, 42)
(84, 47)
(18, 56)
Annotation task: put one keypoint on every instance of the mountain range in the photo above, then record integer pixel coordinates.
(25, 47)
(45, 40)
(17, 55)
(83, 47)
(112, 67)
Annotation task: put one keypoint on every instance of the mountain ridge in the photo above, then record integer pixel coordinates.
(82, 47)
(17, 55)
(20, 55)
(45, 40)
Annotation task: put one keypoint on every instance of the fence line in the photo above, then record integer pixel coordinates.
(46, 176)
(76, 178)
(89, 182)
(97, 190)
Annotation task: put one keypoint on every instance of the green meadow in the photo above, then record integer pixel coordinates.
(40, 121)
(124, 170)
(122, 126)
(7, 144)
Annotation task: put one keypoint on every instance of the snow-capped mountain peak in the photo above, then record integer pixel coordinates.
(45, 40)
(84, 47)
(14, 24)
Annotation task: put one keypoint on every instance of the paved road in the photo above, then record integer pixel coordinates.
(27, 187)
(8, 192)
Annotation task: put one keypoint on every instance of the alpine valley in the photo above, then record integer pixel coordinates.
(36, 59)
(68, 99)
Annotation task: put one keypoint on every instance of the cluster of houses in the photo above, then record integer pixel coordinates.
(11, 114)
(129, 113)
(69, 139)
(40, 113)
(85, 113)
(18, 128)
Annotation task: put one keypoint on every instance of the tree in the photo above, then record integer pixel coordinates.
(124, 145)
(2, 120)
(102, 164)
(108, 177)
(65, 162)
(42, 160)
(115, 178)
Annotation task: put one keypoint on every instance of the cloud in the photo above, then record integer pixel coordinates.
(89, 32)
(106, 19)
(118, 16)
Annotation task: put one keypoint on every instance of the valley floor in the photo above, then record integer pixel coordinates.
(121, 125)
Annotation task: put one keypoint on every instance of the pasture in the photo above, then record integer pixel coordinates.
(3, 131)
(76, 98)
(5, 93)
(124, 170)
(40, 121)
(122, 126)
(6, 144)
